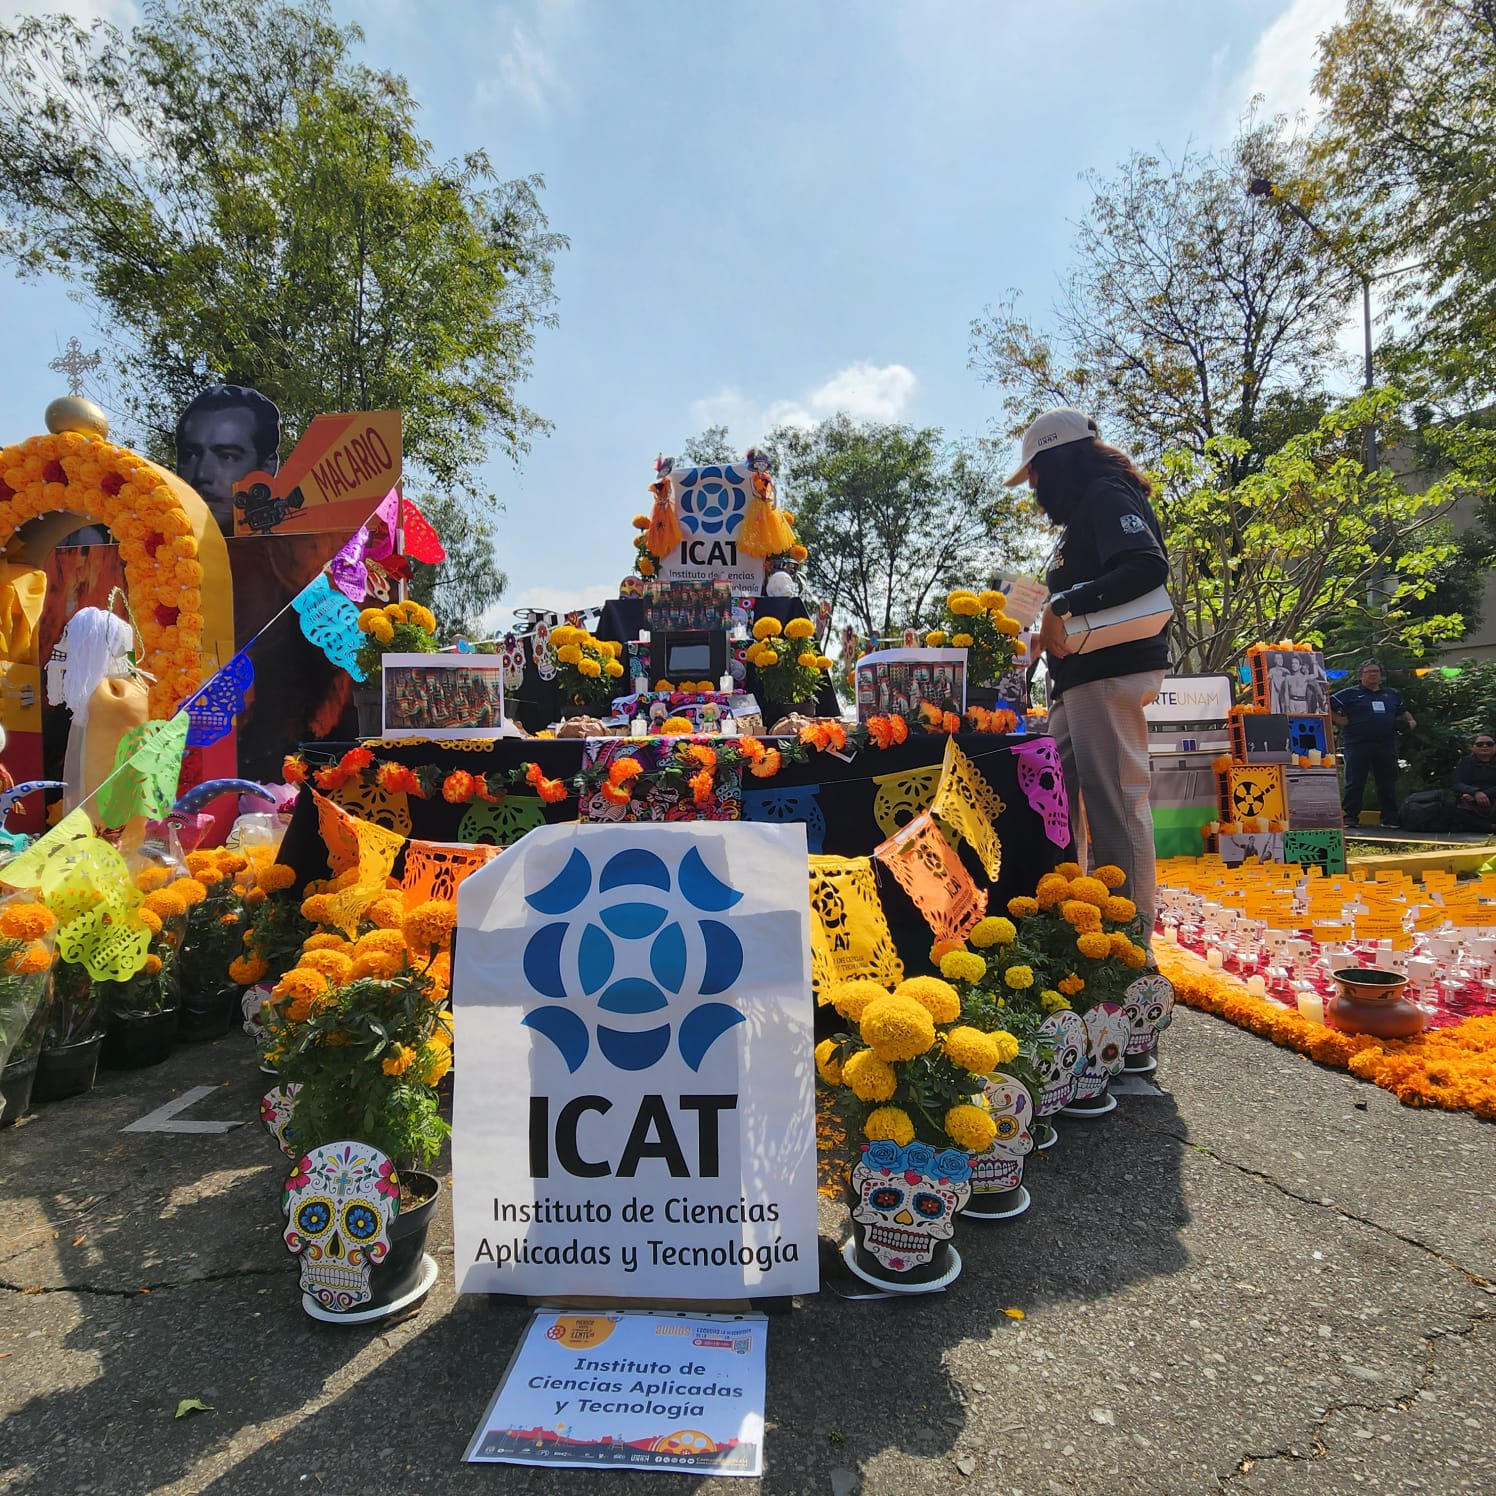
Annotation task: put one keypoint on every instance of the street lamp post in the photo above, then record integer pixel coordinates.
(1266, 187)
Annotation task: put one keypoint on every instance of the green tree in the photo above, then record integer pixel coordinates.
(1409, 139)
(894, 515)
(712, 445)
(464, 587)
(1192, 312)
(240, 199)
(1312, 546)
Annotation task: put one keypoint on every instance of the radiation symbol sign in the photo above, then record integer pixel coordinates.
(1257, 792)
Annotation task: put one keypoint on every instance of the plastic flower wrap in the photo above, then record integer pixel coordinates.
(978, 622)
(216, 921)
(788, 659)
(910, 1065)
(27, 934)
(398, 628)
(274, 926)
(588, 668)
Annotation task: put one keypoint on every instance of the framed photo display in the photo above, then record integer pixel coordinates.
(443, 696)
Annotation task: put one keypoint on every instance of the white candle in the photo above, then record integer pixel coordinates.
(1257, 985)
(725, 684)
(1311, 1005)
(1171, 934)
(644, 636)
(638, 728)
(1315, 755)
(1213, 959)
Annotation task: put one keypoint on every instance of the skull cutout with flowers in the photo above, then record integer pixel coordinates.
(339, 1203)
(1107, 1030)
(907, 1201)
(1011, 1109)
(1061, 1056)
(1149, 1005)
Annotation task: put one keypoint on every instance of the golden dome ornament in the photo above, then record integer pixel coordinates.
(74, 413)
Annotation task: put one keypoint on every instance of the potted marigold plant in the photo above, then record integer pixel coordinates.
(26, 936)
(360, 1035)
(911, 1077)
(587, 667)
(978, 622)
(216, 922)
(69, 1060)
(789, 663)
(397, 628)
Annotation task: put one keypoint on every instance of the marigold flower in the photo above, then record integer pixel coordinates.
(897, 1028)
(1067, 870)
(437, 1063)
(1089, 891)
(868, 1077)
(969, 1048)
(970, 1127)
(1052, 1002)
(190, 891)
(677, 727)
(1019, 978)
(889, 1124)
(1084, 917)
(334, 965)
(166, 903)
(150, 919)
(851, 997)
(1023, 908)
(799, 628)
(25, 921)
(1110, 874)
(1070, 984)
(377, 964)
(936, 638)
(325, 941)
(1053, 889)
(936, 997)
(767, 628)
(962, 966)
(1094, 945)
(1007, 1046)
(767, 766)
(1120, 909)
(300, 981)
(429, 924)
(399, 1062)
(993, 930)
(36, 959)
(828, 1067)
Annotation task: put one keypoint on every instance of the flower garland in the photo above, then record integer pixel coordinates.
(75, 471)
(1453, 1068)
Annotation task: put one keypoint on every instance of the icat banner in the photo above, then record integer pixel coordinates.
(634, 1113)
(711, 504)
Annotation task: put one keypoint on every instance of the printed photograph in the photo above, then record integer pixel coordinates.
(450, 696)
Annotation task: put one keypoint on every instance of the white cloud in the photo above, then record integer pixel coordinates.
(1282, 65)
(123, 13)
(527, 40)
(863, 391)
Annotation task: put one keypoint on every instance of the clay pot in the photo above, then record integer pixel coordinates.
(1372, 1001)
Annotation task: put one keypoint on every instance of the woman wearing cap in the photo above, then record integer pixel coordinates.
(1110, 552)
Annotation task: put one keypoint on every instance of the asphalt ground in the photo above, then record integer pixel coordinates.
(1271, 1278)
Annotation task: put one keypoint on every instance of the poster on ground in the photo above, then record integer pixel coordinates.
(633, 1390)
(634, 1116)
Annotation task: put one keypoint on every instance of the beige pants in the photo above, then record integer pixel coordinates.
(1102, 736)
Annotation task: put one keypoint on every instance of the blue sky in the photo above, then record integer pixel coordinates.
(777, 208)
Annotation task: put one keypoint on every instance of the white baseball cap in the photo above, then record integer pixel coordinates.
(1053, 429)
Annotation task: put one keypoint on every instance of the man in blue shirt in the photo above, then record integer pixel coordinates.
(1369, 716)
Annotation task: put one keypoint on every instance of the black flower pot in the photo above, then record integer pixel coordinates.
(16, 1081)
(68, 1070)
(208, 1015)
(135, 1040)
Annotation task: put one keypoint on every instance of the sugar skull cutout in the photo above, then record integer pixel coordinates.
(512, 662)
(1001, 1167)
(1107, 1031)
(1043, 784)
(1063, 1039)
(907, 1201)
(339, 1203)
(275, 1113)
(1149, 1006)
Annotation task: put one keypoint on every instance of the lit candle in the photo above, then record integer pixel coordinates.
(1311, 1004)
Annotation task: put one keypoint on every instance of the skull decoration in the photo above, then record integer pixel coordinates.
(1149, 1006)
(1043, 783)
(1001, 1166)
(339, 1203)
(906, 1204)
(275, 1113)
(253, 1006)
(1107, 1031)
(1065, 1035)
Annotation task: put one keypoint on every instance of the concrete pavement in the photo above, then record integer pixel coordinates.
(1273, 1279)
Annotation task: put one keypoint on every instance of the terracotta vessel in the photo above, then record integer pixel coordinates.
(1372, 1001)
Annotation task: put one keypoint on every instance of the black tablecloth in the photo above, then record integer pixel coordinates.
(848, 808)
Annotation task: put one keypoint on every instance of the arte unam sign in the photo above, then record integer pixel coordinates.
(634, 1114)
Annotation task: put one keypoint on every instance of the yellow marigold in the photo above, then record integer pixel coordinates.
(300, 982)
(828, 1067)
(1019, 978)
(190, 890)
(1067, 870)
(677, 727)
(1070, 984)
(851, 997)
(429, 924)
(399, 1062)
(318, 908)
(938, 998)
(166, 903)
(809, 660)
(245, 971)
(1135, 958)
(888, 1124)
(992, 601)
(388, 942)
(936, 638)
(148, 879)
(970, 1049)
(202, 861)
(869, 1078)
(1007, 1046)
(897, 1028)
(1052, 1002)
(1022, 908)
(1120, 909)
(965, 606)
(1080, 914)
(570, 654)
(25, 921)
(1089, 891)
(1110, 874)
(255, 897)
(970, 1127)
(1093, 944)
(1119, 942)
(961, 641)
(799, 628)
(1052, 891)
(993, 930)
(767, 628)
(275, 877)
(962, 966)
(334, 965)
(325, 941)
(436, 1064)
(375, 964)
(387, 911)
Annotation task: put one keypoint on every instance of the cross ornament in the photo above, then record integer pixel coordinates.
(75, 363)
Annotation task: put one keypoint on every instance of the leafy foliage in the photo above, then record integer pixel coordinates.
(241, 200)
